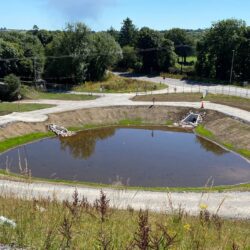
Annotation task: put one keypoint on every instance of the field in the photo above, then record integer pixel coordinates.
(77, 224)
(31, 93)
(8, 107)
(116, 84)
(233, 101)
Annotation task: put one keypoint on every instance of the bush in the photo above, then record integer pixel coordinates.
(12, 89)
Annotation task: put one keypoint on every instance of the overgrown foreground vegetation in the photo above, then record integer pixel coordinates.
(31, 93)
(77, 224)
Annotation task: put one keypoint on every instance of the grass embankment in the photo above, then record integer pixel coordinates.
(233, 101)
(202, 131)
(77, 224)
(31, 93)
(117, 84)
(8, 107)
(20, 140)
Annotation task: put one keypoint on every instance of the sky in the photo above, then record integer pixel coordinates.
(102, 14)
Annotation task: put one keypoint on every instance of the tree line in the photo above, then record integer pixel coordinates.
(78, 54)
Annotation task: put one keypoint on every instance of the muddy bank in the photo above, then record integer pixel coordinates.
(226, 129)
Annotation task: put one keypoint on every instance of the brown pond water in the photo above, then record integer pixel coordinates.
(149, 157)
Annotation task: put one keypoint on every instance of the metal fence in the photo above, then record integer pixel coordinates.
(214, 89)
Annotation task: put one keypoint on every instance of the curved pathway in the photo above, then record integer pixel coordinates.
(109, 100)
(188, 86)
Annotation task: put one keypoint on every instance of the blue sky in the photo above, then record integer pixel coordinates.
(102, 14)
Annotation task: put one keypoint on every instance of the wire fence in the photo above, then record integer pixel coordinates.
(203, 90)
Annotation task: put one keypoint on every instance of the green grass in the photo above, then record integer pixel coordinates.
(128, 122)
(20, 140)
(117, 84)
(9, 107)
(49, 224)
(200, 130)
(169, 123)
(204, 132)
(31, 93)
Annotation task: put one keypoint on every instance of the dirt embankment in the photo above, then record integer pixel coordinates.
(226, 129)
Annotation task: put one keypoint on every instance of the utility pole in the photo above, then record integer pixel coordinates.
(232, 66)
(34, 69)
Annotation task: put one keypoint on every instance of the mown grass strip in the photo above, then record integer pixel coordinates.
(9, 107)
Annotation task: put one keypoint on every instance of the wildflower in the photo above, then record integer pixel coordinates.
(187, 227)
(203, 206)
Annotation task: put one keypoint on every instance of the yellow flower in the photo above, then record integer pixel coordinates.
(203, 206)
(187, 227)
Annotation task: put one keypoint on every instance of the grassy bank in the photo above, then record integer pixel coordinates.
(233, 101)
(202, 131)
(117, 84)
(8, 107)
(31, 93)
(20, 140)
(77, 224)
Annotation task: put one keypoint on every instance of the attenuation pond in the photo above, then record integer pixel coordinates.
(132, 156)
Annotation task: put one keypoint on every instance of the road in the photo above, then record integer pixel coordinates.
(109, 100)
(190, 86)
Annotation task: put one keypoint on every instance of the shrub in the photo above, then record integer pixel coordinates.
(12, 88)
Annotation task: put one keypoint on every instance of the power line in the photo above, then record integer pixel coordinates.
(81, 55)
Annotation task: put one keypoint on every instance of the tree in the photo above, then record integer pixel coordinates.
(45, 37)
(128, 33)
(19, 51)
(214, 51)
(157, 53)
(70, 50)
(182, 42)
(114, 33)
(104, 52)
(130, 59)
(13, 84)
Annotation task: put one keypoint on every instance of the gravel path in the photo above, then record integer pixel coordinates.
(234, 204)
(191, 86)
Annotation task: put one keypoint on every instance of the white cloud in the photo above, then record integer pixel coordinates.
(76, 9)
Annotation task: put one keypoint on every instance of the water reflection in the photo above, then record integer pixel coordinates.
(211, 147)
(83, 144)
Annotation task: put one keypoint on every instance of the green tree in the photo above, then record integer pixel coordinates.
(128, 33)
(130, 59)
(104, 53)
(182, 42)
(114, 33)
(157, 53)
(13, 84)
(214, 51)
(68, 53)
